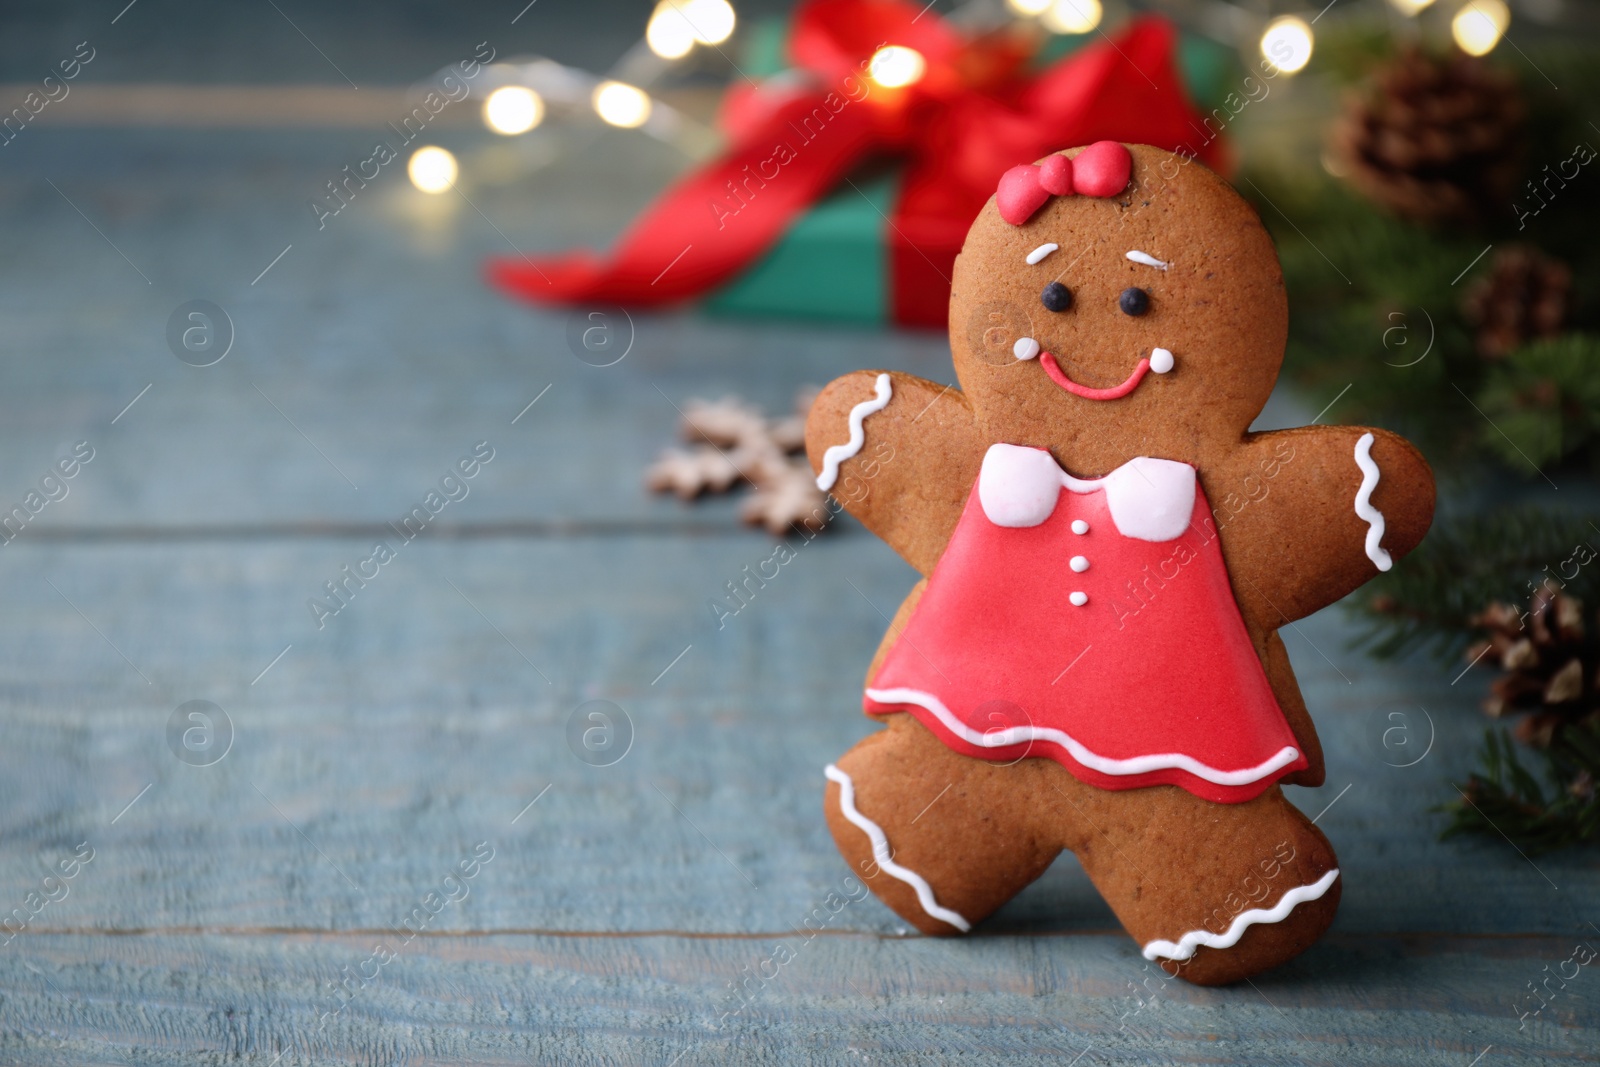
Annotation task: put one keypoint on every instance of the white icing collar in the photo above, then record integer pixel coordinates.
(1150, 499)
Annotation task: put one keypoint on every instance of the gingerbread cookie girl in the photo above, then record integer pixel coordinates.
(1091, 660)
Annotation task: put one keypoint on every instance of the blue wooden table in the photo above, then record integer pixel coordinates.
(408, 761)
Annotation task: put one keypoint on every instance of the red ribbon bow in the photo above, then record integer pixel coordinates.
(1102, 169)
(973, 116)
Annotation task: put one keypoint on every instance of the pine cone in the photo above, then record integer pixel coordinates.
(1524, 297)
(1434, 140)
(1549, 662)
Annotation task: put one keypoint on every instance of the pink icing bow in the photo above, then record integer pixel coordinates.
(1102, 169)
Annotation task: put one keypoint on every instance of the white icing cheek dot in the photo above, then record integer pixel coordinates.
(1025, 348)
(1079, 599)
(1079, 526)
(1160, 360)
(1079, 563)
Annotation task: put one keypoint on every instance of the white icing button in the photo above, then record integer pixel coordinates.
(1025, 348)
(1079, 526)
(1079, 599)
(1079, 563)
(1160, 360)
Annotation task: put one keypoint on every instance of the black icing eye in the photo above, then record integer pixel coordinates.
(1134, 301)
(1056, 297)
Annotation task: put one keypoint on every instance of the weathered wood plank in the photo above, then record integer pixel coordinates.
(410, 728)
(832, 999)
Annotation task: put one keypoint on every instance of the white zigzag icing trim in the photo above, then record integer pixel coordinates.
(1015, 735)
(1195, 938)
(837, 454)
(880, 851)
(1364, 509)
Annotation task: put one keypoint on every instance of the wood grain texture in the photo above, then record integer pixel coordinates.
(506, 999)
(424, 716)
(410, 727)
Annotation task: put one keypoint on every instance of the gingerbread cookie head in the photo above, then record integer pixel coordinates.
(1117, 273)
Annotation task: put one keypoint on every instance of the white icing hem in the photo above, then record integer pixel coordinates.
(1016, 735)
(880, 851)
(1192, 940)
(1364, 509)
(837, 454)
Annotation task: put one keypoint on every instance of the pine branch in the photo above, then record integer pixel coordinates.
(1504, 798)
(1465, 565)
(1543, 403)
(1371, 293)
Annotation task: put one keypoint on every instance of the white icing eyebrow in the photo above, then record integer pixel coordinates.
(1147, 259)
(1039, 253)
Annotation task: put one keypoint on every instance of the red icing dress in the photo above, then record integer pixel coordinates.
(1090, 621)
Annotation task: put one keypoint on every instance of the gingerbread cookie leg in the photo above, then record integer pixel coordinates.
(938, 836)
(1212, 892)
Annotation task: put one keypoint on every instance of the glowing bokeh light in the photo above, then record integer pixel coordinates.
(1286, 44)
(1479, 26)
(668, 33)
(896, 66)
(513, 109)
(621, 105)
(1072, 16)
(432, 169)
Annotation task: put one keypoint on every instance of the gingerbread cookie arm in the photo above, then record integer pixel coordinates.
(1310, 514)
(900, 453)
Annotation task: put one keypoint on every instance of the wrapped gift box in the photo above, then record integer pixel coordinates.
(846, 196)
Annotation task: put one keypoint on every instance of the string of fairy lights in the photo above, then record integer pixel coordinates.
(520, 97)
